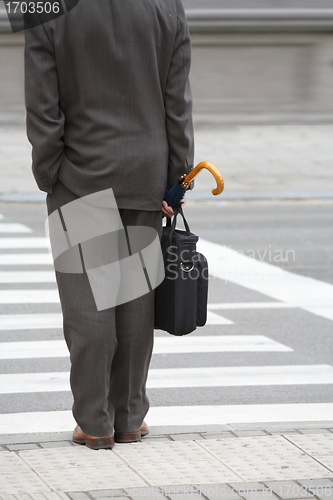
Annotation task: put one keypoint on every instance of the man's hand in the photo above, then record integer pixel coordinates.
(168, 211)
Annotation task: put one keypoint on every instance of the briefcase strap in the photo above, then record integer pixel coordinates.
(177, 211)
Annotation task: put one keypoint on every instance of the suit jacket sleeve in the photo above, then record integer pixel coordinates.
(45, 120)
(178, 103)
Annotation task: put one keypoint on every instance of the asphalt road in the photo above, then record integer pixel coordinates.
(299, 233)
(255, 4)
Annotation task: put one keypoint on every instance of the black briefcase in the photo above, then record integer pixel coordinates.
(181, 299)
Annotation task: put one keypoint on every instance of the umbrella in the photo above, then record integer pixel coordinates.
(174, 196)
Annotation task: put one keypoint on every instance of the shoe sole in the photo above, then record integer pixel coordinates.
(131, 437)
(96, 444)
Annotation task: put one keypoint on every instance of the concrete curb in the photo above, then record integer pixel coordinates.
(187, 432)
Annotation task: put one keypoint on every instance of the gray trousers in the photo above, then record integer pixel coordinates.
(110, 350)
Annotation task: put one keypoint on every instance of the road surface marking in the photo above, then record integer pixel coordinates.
(15, 243)
(27, 277)
(52, 297)
(235, 376)
(216, 319)
(25, 259)
(162, 345)
(249, 305)
(299, 291)
(30, 321)
(29, 296)
(63, 421)
(228, 414)
(14, 228)
(44, 321)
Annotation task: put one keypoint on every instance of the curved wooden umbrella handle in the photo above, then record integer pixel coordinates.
(213, 170)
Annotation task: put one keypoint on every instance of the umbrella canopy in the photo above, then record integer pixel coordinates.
(174, 196)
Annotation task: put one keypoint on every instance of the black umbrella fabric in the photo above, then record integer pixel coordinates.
(174, 196)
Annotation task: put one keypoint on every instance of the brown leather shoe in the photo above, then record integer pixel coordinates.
(93, 442)
(132, 437)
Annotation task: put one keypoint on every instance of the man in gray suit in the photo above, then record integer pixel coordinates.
(109, 105)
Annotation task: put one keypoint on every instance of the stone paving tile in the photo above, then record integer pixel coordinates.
(314, 444)
(155, 439)
(51, 495)
(189, 429)
(250, 433)
(90, 478)
(283, 425)
(284, 432)
(185, 437)
(69, 458)
(186, 496)
(321, 488)
(78, 496)
(21, 481)
(195, 472)
(56, 444)
(218, 492)
(106, 493)
(313, 484)
(48, 496)
(170, 452)
(145, 493)
(241, 487)
(220, 435)
(327, 461)
(17, 447)
(123, 497)
(264, 458)
(11, 462)
(180, 489)
(35, 438)
(288, 489)
(314, 431)
(327, 493)
(259, 495)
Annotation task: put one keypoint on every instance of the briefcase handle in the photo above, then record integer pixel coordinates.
(177, 210)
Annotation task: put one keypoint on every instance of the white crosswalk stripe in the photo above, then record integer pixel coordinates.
(30, 321)
(27, 277)
(234, 376)
(162, 345)
(63, 421)
(39, 259)
(300, 291)
(250, 305)
(14, 228)
(29, 297)
(284, 292)
(52, 297)
(23, 243)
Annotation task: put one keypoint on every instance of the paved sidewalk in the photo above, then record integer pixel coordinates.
(256, 161)
(278, 461)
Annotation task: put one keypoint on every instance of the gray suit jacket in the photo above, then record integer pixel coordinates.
(108, 99)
